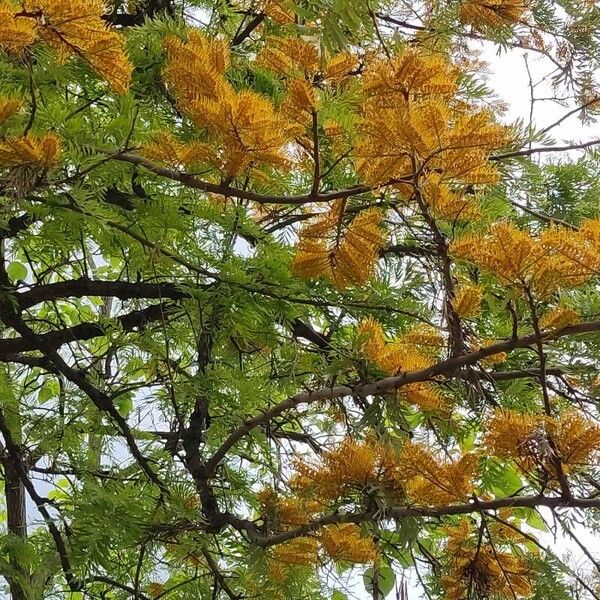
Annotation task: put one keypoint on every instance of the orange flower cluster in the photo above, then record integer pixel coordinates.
(492, 13)
(286, 513)
(16, 33)
(467, 302)
(346, 254)
(536, 442)
(167, 149)
(277, 10)
(558, 258)
(297, 59)
(301, 103)
(416, 473)
(344, 543)
(345, 471)
(73, 28)
(415, 350)
(558, 318)
(432, 481)
(413, 124)
(479, 568)
(409, 108)
(411, 74)
(245, 129)
(299, 551)
(446, 203)
(8, 107)
(290, 57)
(30, 151)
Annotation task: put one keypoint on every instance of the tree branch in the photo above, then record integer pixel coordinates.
(83, 331)
(446, 368)
(78, 288)
(543, 149)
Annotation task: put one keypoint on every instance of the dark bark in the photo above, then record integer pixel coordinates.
(53, 340)
(16, 516)
(248, 29)
(144, 10)
(78, 288)
(16, 225)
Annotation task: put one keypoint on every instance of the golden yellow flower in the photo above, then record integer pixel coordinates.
(536, 442)
(16, 33)
(345, 543)
(431, 481)
(446, 203)
(577, 439)
(8, 107)
(291, 57)
(467, 302)
(411, 73)
(373, 345)
(508, 252)
(277, 10)
(412, 351)
(559, 317)
(298, 551)
(482, 566)
(30, 151)
(490, 572)
(424, 338)
(76, 27)
(346, 254)
(347, 469)
(492, 13)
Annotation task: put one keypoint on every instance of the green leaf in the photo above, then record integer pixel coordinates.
(535, 520)
(17, 271)
(124, 404)
(408, 532)
(381, 578)
(50, 389)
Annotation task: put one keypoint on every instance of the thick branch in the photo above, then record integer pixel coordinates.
(446, 368)
(231, 192)
(401, 512)
(78, 288)
(83, 331)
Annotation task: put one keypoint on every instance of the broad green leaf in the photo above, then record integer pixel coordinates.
(17, 271)
(381, 578)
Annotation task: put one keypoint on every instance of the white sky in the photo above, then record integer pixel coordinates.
(509, 79)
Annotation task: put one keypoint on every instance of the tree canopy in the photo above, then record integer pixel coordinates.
(289, 307)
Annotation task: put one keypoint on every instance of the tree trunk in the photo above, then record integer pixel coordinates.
(16, 516)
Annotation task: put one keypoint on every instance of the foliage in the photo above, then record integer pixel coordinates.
(286, 303)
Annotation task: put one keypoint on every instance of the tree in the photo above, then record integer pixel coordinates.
(283, 296)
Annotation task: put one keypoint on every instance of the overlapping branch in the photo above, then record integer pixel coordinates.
(83, 331)
(445, 368)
